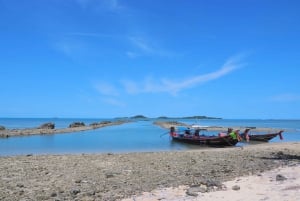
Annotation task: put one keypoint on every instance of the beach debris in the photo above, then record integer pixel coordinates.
(280, 177)
(48, 125)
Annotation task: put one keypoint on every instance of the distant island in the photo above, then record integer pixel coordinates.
(165, 117)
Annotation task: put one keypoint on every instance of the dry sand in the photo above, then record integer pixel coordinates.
(120, 176)
(264, 186)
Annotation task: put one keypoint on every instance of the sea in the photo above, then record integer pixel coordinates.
(137, 136)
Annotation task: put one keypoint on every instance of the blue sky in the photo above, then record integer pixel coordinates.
(116, 58)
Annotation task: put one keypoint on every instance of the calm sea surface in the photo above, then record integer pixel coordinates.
(138, 136)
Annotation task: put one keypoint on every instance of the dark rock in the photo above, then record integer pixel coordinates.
(236, 187)
(76, 124)
(193, 191)
(95, 124)
(212, 183)
(2, 128)
(75, 191)
(280, 153)
(20, 185)
(279, 177)
(78, 181)
(53, 194)
(109, 175)
(91, 193)
(105, 122)
(47, 126)
(203, 189)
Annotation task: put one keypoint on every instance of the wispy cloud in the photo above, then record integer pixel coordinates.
(132, 54)
(109, 94)
(286, 97)
(106, 89)
(113, 101)
(143, 46)
(87, 34)
(149, 85)
(70, 48)
(112, 5)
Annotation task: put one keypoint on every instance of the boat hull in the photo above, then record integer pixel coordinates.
(263, 137)
(207, 140)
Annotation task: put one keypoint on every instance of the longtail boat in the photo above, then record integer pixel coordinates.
(193, 137)
(261, 137)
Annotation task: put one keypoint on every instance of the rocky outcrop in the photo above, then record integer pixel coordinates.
(76, 124)
(48, 125)
(48, 128)
(2, 128)
(96, 124)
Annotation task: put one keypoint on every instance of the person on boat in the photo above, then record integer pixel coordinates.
(236, 135)
(245, 135)
(173, 132)
(187, 131)
(197, 132)
(222, 134)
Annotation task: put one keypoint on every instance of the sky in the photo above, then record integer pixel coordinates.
(119, 58)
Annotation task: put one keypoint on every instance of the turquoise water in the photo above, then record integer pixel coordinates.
(138, 136)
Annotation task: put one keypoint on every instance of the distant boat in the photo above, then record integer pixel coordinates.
(192, 136)
(261, 137)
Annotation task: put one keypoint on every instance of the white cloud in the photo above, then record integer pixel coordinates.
(106, 89)
(70, 48)
(286, 97)
(141, 44)
(132, 54)
(87, 34)
(142, 47)
(173, 87)
(111, 5)
(131, 87)
(113, 101)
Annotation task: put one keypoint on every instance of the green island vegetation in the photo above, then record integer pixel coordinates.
(165, 117)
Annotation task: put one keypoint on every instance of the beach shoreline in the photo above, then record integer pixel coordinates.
(5, 133)
(120, 176)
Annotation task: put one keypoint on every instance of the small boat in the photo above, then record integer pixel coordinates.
(261, 137)
(193, 137)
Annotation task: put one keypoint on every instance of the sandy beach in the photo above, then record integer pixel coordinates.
(263, 186)
(198, 173)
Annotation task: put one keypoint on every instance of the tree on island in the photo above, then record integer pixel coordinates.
(139, 117)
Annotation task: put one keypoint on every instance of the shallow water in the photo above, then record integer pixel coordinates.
(138, 136)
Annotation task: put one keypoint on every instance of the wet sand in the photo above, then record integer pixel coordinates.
(119, 176)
